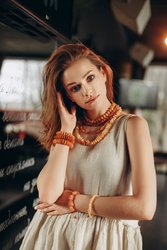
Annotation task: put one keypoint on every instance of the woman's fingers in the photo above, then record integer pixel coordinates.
(68, 119)
(53, 213)
(62, 106)
(52, 209)
(60, 102)
(41, 205)
(49, 209)
(60, 210)
(73, 110)
(46, 208)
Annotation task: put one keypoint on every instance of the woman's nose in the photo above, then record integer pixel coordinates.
(87, 91)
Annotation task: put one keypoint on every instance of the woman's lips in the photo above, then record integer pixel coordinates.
(92, 100)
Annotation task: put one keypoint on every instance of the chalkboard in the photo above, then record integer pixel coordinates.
(21, 159)
(27, 40)
(21, 155)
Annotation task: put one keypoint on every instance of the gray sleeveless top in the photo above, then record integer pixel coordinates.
(103, 169)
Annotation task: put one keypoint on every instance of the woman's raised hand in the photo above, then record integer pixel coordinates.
(68, 119)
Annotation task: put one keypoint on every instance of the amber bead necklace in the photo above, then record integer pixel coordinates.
(109, 116)
(102, 119)
(97, 128)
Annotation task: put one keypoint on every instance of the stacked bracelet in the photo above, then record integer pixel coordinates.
(71, 200)
(64, 138)
(90, 207)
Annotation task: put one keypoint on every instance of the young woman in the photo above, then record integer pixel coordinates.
(99, 179)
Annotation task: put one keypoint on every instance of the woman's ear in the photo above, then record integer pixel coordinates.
(101, 69)
(103, 72)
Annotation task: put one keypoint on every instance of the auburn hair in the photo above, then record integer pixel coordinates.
(58, 62)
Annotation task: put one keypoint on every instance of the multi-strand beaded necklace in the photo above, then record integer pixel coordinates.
(102, 125)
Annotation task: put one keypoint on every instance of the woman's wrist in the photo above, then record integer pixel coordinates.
(67, 130)
(64, 138)
(82, 202)
(85, 204)
(71, 201)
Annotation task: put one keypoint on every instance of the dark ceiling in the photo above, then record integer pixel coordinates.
(156, 30)
(97, 26)
(94, 24)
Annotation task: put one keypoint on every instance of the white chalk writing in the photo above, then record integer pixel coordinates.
(20, 235)
(35, 202)
(33, 184)
(1, 172)
(30, 185)
(12, 219)
(6, 89)
(13, 169)
(27, 186)
(13, 143)
(14, 116)
(20, 116)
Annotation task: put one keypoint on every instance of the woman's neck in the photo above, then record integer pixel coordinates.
(101, 109)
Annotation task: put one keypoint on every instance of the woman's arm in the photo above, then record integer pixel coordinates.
(138, 206)
(50, 181)
(141, 205)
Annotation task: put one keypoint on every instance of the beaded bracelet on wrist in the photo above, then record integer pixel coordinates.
(71, 204)
(63, 142)
(90, 206)
(65, 135)
(64, 138)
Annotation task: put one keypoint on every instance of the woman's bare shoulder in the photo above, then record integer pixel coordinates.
(137, 125)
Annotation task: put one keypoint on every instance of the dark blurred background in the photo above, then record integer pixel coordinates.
(131, 35)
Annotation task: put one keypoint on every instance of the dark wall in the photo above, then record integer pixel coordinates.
(21, 159)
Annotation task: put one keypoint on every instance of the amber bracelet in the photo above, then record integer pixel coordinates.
(65, 135)
(63, 142)
(64, 138)
(90, 207)
(71, 200)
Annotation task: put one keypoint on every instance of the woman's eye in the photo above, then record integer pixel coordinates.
(90, 78)
(76, 88)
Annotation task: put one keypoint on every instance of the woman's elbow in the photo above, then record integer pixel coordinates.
(47, 193)
(147, 212)
(147, 216)
(50, 197)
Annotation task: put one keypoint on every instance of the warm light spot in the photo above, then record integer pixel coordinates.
(166, 41)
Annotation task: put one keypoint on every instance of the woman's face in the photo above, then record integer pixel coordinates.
(85, 84)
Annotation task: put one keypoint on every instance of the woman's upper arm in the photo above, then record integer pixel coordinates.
(142, 162)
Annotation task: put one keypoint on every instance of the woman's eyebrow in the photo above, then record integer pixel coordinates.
(71, 83)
